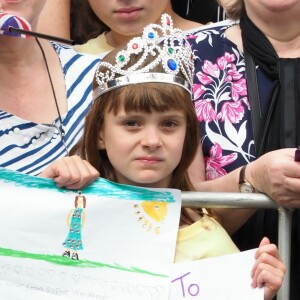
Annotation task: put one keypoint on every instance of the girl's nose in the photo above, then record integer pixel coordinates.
(151, 138)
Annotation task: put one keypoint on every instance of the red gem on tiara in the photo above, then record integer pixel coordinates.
(135, 46)
(168, 21)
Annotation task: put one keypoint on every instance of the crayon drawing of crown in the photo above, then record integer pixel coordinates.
(159, 45)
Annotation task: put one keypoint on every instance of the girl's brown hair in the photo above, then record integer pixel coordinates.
(85, 24)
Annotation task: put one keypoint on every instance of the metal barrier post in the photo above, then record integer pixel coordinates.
(284, 245)
(256, 200)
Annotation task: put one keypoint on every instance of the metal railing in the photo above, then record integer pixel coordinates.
(244, 200)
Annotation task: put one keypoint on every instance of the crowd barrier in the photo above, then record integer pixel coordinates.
(256, 200)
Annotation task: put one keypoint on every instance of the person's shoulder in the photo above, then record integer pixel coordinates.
(86, 47)
(96, 46)
(67, 53)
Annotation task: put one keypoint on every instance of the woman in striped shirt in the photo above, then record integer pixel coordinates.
(46, 91)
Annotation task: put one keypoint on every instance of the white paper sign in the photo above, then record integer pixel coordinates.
(125, 238)
(225, 277)
(128, 242)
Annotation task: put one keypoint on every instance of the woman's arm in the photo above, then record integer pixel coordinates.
(275, 173)
(231, 219)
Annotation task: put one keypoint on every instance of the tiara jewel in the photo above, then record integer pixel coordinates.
(164, 45)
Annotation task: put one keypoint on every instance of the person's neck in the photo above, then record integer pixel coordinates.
(283, 32)
(115, 39)
(15, 51)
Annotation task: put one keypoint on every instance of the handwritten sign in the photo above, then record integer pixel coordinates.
(110, 242)
(224, 277)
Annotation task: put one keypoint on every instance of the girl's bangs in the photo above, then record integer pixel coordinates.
(148, 97)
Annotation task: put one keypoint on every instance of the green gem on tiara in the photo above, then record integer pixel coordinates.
(170, 50)
(121, 58)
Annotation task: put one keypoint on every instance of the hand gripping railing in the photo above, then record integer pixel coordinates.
(256, 200)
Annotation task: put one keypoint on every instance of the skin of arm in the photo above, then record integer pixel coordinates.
(275, 173)
(227, 183)
(55, 18)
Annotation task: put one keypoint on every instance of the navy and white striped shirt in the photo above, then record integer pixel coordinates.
(29, 147)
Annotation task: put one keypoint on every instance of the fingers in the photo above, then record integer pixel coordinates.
(277, 174)
(268, 270)
(71, 172)
(265, 241)
(77, 174)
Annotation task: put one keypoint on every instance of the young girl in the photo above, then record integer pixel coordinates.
(113, 23)
(142, 130)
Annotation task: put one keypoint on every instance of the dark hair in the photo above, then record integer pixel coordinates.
(234, 9)
(85, 24)
(201, 11)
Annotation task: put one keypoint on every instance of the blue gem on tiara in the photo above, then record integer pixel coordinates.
(151, 35)
(172, 64)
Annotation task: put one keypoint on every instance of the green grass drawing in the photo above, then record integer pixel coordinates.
(66, 261)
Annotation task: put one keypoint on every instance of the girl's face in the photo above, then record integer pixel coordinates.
(269, 7)
(144, 148)
(128, 17)
(28, 9)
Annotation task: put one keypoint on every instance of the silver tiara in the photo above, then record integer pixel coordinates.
(167, 45)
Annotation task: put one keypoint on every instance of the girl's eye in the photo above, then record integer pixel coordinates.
(131, 123)
(169, 123)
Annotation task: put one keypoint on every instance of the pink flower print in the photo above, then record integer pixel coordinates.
(211, 69)
(198, 90)
(222, 63)
(233, 111)
(245, 100)
(205, 111)
(191, 36)
(203, 78)
(238, 89)
(234, 74)
(216, 161)
(229, 57)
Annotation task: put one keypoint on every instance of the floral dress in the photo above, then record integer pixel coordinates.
(221, 102)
